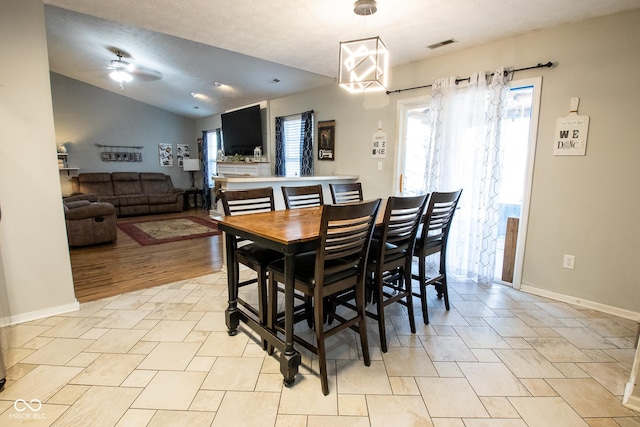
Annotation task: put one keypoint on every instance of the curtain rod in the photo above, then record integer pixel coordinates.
(506, 73)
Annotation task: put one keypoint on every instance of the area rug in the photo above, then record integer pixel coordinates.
(153, 232)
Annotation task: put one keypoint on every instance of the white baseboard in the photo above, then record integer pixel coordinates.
(633, 402)
(620, 312)
(39, 314)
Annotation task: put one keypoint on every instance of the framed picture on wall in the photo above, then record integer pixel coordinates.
(326, 140)
(166, 154)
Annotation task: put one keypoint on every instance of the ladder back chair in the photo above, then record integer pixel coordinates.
(432, 239)
(303, 196)
(390, 259)
(346, 193)
(246, 252)
(337, 266)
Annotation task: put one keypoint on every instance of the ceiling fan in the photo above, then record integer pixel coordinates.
(124, 72)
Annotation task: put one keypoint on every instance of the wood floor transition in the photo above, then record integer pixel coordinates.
(110, 269)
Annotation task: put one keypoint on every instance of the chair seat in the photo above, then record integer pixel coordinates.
(258, 254)
(305, 270)
(389, 247)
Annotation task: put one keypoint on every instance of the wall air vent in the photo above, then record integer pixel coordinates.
(440, 44)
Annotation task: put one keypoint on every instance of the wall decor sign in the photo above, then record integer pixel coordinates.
(571, 133)
(166, 154)
(379, 145)
(326, 140)
(120, 153)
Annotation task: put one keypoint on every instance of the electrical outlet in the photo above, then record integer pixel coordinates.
(569, 262)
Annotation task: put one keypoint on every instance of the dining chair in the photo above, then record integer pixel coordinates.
(302, 196)
(431, 239)
(346, 193)
(335, 267)
(246, 252)
(390, 259)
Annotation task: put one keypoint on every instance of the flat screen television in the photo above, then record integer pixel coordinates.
(242, 131)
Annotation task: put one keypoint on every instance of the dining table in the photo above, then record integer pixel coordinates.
(290, 232)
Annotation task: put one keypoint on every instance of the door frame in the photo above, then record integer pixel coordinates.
(403, 105)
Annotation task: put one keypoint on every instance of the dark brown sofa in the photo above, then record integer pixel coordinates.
(131, 193)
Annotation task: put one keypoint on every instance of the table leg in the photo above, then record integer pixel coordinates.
(290, 359)
(231, 313)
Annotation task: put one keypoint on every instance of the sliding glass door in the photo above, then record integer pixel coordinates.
(517, 130)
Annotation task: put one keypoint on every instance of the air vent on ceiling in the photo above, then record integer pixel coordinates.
(440, 44)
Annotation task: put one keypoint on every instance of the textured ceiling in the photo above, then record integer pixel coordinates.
(246, 44)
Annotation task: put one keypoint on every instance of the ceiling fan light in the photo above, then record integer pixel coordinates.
(121, 76)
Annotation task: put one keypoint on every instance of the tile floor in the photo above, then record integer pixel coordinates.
(162, 357)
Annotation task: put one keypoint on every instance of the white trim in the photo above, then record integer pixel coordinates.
(620, 312)
(629, 399)
(633, 402)
(401, 130)
(536, 82)
(39, 314)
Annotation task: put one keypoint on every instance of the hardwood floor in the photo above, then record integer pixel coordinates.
(123, 266)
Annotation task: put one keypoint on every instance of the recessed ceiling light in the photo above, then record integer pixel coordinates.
(218, 84)
(194, 94)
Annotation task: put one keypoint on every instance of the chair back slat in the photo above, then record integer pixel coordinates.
(346, 193)
(439, 216)
(401, 220)
(240, 202)
(303, 196)
(345, 232)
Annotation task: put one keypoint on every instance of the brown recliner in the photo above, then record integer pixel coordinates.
(88, 222)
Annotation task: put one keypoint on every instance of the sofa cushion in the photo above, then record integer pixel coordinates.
(90, 210)
(162, 199)
(133, 200)
(76, 204)
(94, 183)
(155, 183)
(126, 183)
(114, 200)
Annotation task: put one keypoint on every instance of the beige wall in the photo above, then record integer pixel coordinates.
(33, 241)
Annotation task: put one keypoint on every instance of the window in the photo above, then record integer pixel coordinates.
(292, 140)
(213, 145)
(294, 145)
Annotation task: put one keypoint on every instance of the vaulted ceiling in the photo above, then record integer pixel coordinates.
(268, 49)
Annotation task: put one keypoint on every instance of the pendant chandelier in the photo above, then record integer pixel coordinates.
(364, 63)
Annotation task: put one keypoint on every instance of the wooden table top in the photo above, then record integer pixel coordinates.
(286, 227)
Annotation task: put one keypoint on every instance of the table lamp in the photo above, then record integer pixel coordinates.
(191, 165)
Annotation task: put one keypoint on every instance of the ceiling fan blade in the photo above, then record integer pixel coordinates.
(146, 74)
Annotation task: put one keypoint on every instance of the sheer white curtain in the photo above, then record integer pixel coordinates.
(466, 152)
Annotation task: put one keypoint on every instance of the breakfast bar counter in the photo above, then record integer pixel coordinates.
(239, 182)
